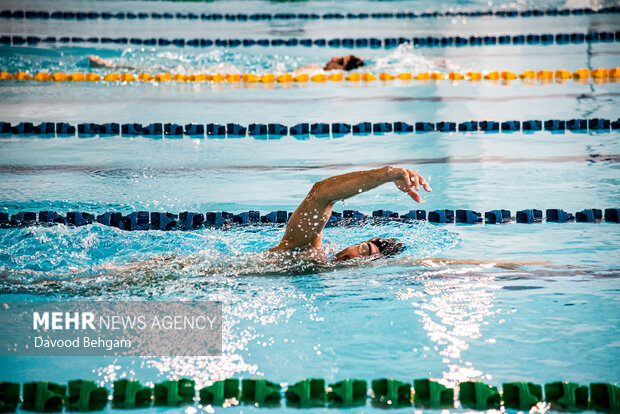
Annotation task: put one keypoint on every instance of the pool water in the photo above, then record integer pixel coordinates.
(554, 318)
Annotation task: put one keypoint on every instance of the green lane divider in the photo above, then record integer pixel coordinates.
(9, 396)
(131, 394)
(42, 396)
(521, 395)
(176, 392)
(389, 392)
(431, 394)
(86, 396)
(567, 395)
(220, 392)
(479, 396)
(260, 392)
(348, 393)
(604, 397)
(309, 392)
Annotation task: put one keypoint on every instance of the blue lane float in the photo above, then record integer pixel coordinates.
(320, 129)
(253, 17)
(590, 215)
(358, 43)
(187, 220)
(497, 217)
(529, 216)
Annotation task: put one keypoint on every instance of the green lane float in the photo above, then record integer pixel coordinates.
(567, 395)
(309, 392)
(604, 397)
(389, 392)
(42, 396)
(348, 393)
(131, 394)
(175, 392)
(9, 396)
(479, 396)
(260, 392)
(431, 394)
(220, 392)
(521, 395)
(86, 396)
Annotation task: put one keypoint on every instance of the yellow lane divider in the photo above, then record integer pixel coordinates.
(582, 75)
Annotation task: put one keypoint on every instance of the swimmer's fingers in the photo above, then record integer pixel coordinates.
(409, 182)
(404, 183)
(416, 197)
(415, 177)
(406, 177)
(421, 180)
(409, 177)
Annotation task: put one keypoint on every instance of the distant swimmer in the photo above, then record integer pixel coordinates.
(95, 61)
(345, 63)
(304, 231)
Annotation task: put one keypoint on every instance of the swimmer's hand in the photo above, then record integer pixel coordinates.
(408, 181)
(99, 62)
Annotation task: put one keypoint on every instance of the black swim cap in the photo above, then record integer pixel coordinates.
(354, 63)
(388, 247)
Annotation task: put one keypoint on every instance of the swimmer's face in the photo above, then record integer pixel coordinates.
(364, 249)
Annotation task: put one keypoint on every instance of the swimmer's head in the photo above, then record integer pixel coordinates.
(378, 247)
(349, 62)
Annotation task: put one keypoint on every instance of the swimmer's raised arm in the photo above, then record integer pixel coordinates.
(305, 227)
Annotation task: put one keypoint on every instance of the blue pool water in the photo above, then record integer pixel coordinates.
(554, 319)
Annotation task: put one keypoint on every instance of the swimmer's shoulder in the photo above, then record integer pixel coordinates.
(308, 68)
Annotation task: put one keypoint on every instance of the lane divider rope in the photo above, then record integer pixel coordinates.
(244, 17)
(143, 220)
(347, 43)
(86, 395)
(599, 76)
(302, 130)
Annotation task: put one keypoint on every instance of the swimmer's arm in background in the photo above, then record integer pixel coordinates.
(98, 62)
(305, 227)
(133, 269)
(306, 68)
(513, 265)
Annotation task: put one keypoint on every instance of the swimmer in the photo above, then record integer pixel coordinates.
(95, 61)
(304, 231)
(345, 63)
(302, 242)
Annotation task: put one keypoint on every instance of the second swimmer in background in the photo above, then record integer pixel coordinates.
(345, 63)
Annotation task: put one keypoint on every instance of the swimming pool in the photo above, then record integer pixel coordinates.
(284, 322)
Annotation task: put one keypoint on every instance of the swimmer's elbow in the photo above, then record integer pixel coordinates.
(319, 193)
